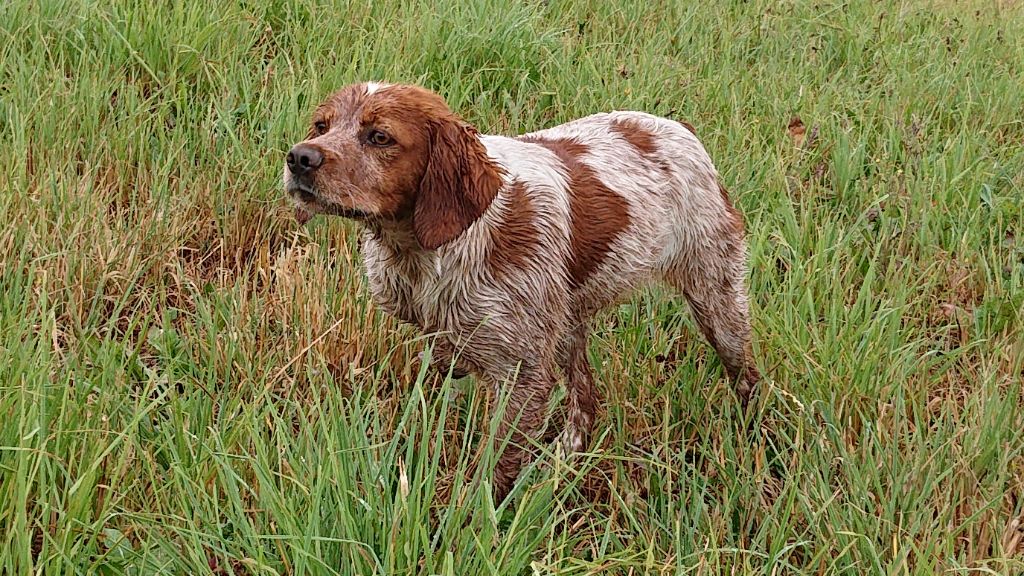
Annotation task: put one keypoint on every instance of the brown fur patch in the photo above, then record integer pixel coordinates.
(645, 142)
(599, 214)
(688, 126)
(736, 219)
(640, 137)
(517, 238)
(459, 183)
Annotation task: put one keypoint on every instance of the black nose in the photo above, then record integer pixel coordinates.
(304, 159)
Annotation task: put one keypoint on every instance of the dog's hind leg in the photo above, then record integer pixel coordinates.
(583, 398)
(712, 276)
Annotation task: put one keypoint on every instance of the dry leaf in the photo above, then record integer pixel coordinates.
(403, 480)
(797, 131)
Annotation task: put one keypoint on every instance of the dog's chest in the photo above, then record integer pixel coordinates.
(427, 288)
(432, 292)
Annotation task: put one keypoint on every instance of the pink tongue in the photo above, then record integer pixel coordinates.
(302, 216)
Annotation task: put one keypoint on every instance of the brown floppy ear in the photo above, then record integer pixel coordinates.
(459, 183)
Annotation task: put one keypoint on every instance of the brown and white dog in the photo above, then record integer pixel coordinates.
(508, 246)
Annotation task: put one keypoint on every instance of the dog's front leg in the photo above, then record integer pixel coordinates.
(443, 357)
(526, 401)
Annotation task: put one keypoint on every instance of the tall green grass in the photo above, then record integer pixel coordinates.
(191, 384)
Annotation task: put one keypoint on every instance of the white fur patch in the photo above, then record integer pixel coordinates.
(372, 87)
(570, 440)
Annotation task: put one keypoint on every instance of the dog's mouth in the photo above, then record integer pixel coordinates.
(308, 204)
(351, 213)
(304, 195)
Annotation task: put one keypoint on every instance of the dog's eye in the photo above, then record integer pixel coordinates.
(320, 127)
(378, 138)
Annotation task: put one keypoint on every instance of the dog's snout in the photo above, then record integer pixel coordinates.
(304, 159)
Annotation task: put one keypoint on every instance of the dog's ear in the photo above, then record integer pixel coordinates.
(459, 183)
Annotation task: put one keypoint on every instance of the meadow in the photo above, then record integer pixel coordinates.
(190, 383)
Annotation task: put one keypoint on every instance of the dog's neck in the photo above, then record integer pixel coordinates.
(397, 235)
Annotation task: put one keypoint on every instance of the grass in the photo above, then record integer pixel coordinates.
(191, 384)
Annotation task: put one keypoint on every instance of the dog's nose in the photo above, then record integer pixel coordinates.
(304, 159)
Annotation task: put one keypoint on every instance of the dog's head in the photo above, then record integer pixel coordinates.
(392, 152)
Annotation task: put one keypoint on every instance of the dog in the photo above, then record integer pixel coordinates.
(507, 247)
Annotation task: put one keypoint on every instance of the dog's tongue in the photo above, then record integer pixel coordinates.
(302, 215)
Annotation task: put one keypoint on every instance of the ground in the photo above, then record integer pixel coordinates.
(189, 383)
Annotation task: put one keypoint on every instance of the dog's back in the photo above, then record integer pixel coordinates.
(632, 196)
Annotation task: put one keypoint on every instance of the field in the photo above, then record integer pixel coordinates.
(192, 383)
